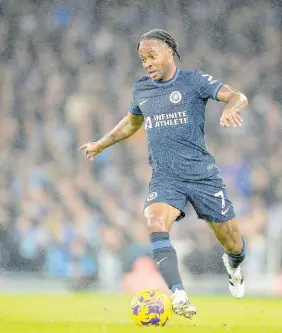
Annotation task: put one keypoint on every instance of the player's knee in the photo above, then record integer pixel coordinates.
(156, 223)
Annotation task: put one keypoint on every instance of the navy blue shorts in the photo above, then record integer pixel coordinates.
(208, 196)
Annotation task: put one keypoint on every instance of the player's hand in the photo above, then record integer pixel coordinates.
(92, 149)
(230, 117)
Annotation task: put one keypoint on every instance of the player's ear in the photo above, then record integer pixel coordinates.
(169, 53)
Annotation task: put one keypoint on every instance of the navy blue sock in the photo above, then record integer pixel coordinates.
(235, 259)
(165, 257)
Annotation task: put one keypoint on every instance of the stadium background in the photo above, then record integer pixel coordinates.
(66, 72)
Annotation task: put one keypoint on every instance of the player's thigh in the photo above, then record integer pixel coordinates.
(164, 205)
(211, 201)
(228, 234)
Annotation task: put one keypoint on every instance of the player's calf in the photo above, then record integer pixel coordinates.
(165, 257)
(228, 234)
(160, 217)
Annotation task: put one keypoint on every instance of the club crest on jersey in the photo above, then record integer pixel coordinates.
(175, 97)
(152, 196)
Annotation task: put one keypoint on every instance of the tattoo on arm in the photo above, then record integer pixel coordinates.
(112, 139)
(226, 92)
(123, 130)
(235, 99)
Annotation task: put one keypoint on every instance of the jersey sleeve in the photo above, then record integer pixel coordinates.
(206, 85)
(134, 107)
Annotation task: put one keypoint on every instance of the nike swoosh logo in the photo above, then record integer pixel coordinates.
(223, 212)
(161, 261)
(143, 102)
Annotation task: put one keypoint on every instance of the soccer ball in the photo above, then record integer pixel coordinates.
(151, 307)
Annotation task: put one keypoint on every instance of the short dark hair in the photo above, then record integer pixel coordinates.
(163, 36)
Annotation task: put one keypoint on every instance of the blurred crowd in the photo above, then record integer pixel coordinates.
(66, 72)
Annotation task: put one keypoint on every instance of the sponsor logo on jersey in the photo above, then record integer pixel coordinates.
(166, 119)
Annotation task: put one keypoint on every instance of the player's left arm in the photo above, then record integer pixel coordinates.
(236, 103)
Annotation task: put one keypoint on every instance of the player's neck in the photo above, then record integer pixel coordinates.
(170, 73)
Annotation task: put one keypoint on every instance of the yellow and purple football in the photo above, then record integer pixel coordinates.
(151, 307)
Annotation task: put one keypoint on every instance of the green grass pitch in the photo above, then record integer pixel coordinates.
(98, 313)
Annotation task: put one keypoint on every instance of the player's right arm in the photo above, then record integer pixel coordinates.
(123, 130)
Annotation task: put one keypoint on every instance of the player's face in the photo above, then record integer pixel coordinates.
(156, 58)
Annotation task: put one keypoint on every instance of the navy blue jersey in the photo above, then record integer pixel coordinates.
(174, 117)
